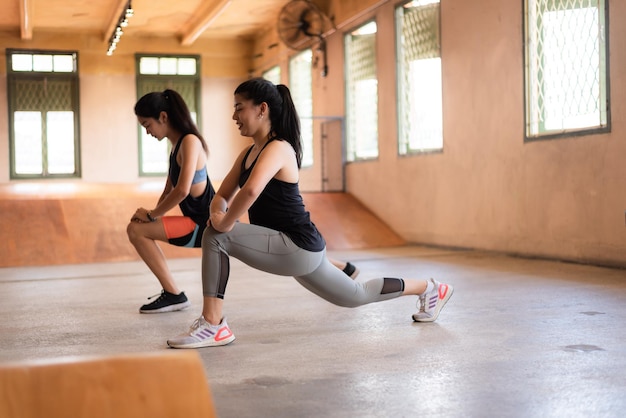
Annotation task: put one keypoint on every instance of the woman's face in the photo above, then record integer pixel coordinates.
(248, 116)
(154, 127)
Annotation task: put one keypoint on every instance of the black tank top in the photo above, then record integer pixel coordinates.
(197, 208)
(280, 207)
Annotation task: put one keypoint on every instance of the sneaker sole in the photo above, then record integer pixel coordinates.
(203, 344)
(438, 308)
(169, 308)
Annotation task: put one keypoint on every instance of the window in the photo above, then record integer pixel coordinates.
(157, 73)
(43, 114)
(420, 109)
(273, 74)
(361, 93)
(566, 80)
(300, 85)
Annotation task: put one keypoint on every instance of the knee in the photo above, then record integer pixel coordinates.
(132, 230)
(209, 237)
(337, 298)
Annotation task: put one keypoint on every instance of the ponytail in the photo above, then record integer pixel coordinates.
(288, 126)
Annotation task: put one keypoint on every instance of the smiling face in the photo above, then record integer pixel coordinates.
(154, 127)
(252, 120)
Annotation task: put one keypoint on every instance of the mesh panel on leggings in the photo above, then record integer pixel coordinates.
(224, 273)
(392, 285)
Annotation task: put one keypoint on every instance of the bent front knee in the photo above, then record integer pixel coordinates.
(133, 230)
(209, 237)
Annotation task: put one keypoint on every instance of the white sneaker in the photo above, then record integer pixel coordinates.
(203, 334)
(432, 302)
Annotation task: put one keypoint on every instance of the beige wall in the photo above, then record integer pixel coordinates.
(488, 190)
(108, 127)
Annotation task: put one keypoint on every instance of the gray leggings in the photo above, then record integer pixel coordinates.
(273, 252)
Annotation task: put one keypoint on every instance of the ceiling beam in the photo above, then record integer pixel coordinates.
(120, 6)
(26, 19)
(204, 16)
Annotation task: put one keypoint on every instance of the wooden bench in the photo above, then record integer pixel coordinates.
(50, 225)
(168, 384)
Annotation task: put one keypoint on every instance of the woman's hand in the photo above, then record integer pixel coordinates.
(218, 223)
(141, 216)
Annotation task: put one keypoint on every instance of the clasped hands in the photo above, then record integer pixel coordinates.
(216, 220)
(141, 216)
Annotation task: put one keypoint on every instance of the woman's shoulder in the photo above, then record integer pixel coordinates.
(282, 155)
(189, 138)
(279, 144)
(190, 141)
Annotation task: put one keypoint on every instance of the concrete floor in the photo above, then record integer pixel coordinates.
(519, 337)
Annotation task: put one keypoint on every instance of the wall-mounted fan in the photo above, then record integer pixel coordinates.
(301, 25)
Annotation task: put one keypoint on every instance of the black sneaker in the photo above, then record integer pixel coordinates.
(166, 302)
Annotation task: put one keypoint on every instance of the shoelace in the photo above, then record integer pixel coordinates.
(195, 325)
(162, 294)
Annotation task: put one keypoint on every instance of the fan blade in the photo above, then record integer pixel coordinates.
(300, 24)
(312, 23)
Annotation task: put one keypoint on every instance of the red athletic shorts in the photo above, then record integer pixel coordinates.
(183, 231)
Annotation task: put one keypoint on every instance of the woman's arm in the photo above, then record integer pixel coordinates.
(229, 186)
(166, 189)
(189, 153)
(276, 160)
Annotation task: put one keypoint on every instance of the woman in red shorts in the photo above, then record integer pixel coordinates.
(166, 115)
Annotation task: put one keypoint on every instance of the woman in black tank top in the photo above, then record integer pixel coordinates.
(165, 115)
(281, 238)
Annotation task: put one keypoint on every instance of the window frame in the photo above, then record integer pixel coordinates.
(73, 78)
(351, 155)
(604, 80)
(404, 148)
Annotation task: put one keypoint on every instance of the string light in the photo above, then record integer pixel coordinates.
(127, 13)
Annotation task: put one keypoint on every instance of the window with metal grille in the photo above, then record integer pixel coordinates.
(43, 114)
(420, 112)
(566, 66)
(273, 74)
(300, 85)
(361, 93)
(157, 73)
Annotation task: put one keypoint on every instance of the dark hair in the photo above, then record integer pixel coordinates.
(152, 104)
(283, 116)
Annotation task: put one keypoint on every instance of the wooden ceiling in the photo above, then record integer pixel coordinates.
(186, 20)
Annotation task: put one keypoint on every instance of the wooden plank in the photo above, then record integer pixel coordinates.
(162, 384)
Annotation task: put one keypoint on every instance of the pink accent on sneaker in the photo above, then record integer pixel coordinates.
(443, 290)
(223, 333)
